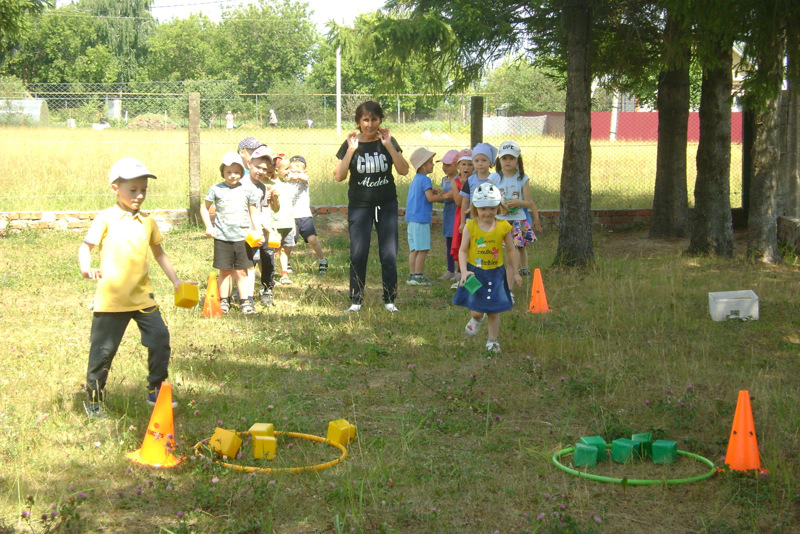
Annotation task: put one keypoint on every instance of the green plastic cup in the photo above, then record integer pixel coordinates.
(472, 284)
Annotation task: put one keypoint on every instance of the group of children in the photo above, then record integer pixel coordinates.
(486, 215)
(265, 195)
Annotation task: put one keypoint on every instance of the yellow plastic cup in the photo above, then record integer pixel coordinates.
(274, 240)
(255, 239)
(187, 295)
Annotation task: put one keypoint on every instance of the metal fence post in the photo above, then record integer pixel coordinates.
(194, 158)
(476, 120)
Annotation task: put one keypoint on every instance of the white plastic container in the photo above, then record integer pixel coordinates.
(724, 305)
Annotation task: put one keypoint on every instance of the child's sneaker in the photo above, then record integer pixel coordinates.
(224, 305)
(524, 272)
(473, 326)
(412, 280)
(423, 280)
(93, 410)
(152, 397)
(266, 298)
(289, 268)
(354, 308)
(391, 307)
(447, 276)
(493, 346)
(247, 307)
(323, 266)
(285, 279)
(455, 284)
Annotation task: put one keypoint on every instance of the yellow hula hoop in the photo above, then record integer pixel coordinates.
(267, 470)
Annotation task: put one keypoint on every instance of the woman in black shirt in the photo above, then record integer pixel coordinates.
(368, 156)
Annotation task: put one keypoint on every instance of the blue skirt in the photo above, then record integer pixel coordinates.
(493, 297)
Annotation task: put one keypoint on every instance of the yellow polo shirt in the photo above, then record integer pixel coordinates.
(124, 240)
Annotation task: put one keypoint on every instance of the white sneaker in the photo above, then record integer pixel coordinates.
(391, 307)
(354, 308)
(473, 326)
(455, 284)
(493, 346)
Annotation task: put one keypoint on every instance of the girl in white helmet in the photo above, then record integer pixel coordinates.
(483, 246)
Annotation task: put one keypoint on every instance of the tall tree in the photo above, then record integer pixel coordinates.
(186, 49)
(267, 42)
(523, 86)
(670, 200)
(15, 17)
(575, 246)
(712, 232)
(63, 45)
(124, 27)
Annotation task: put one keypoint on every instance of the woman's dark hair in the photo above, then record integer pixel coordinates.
(520, 166)
(369, 107)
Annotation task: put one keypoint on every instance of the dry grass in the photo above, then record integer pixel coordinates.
(450, 440)
(69, 170)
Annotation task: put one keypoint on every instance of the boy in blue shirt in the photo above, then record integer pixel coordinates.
(419, 210)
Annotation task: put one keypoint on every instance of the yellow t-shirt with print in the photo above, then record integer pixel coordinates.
(124, 240)
(486, 248)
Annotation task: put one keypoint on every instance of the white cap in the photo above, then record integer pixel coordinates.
(509, 148)
(263, 151)
(486, 196)
(419, 157)
(128, 169)
(229, 158)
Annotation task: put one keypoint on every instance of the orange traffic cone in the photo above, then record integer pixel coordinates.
(211, 307)
(160, 437)
(742, 452)
(538, 298)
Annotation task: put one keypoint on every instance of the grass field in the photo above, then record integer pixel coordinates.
(69, 166)
(449, 439)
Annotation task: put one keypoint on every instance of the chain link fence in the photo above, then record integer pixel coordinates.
(86, 127)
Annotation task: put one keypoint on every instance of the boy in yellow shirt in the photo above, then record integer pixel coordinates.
(124, 235)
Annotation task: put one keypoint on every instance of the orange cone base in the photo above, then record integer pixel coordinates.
(169, 460)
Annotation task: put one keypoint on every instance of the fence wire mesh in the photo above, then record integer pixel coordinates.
(77, 131)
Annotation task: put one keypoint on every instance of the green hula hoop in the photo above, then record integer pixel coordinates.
(636, 481)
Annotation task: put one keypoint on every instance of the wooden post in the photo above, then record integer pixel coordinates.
(476, 120)
(194, 159)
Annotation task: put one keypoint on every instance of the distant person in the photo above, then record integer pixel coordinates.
(236, 213)
(301, 204)
(419, 212)
(229, 121)
(125, 235)
(368, 156)
(309, 123)
(273, 119)
(484, 245)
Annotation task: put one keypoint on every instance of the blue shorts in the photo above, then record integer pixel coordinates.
(419, 236)
(305, 227)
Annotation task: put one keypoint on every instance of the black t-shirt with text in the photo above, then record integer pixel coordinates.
(371, 178)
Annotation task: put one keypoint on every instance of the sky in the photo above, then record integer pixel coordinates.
(342, 11)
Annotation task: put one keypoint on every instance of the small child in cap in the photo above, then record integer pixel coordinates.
(419, 211)
(124, 236)
(236, 213)
(301, 204)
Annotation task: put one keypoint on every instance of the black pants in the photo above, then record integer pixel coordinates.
(107, 331)
(267, 255)
(360, 225)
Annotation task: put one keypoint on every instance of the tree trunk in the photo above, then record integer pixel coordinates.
(670, 202)
(712, 232)
(792, 177)
(575, 248)
(762, 222)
